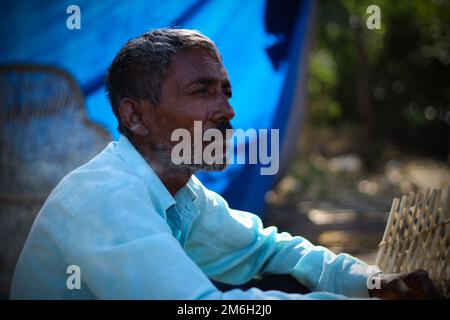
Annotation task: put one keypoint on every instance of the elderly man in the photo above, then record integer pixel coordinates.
(132, 224)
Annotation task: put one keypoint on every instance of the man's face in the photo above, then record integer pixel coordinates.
(197, 89)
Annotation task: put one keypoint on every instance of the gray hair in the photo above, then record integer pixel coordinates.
(141, 66)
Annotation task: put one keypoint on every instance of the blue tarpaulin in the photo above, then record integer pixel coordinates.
(262, 43)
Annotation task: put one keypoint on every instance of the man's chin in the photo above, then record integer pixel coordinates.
(214, 167)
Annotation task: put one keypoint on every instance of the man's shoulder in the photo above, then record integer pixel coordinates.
(101, 176)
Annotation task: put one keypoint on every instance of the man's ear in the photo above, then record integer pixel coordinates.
(131, 114)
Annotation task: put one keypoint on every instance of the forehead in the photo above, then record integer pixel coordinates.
(192, 64)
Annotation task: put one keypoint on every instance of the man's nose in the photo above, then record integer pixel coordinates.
(223, 111)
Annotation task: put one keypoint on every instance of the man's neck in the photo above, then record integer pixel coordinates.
(173, 177)
(174, 181)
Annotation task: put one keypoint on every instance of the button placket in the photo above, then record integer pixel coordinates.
(175, 222)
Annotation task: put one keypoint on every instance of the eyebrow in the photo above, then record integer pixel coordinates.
(205, 80)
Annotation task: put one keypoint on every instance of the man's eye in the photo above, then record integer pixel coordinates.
(228, 93)
(200, 91)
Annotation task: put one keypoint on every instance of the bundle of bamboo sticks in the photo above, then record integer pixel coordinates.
(417, 236)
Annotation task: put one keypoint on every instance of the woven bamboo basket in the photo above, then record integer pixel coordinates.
(417, 237)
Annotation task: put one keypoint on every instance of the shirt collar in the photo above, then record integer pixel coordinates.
(187, 192)
(143, 170)
(190, 189)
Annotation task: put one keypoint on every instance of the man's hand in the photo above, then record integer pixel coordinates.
(402, 286)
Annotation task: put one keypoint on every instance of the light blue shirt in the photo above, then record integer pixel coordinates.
(131, 239)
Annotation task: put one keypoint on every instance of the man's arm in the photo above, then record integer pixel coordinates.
(232, 246)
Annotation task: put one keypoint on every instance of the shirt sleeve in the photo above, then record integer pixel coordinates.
(125, 250)
(233, 246)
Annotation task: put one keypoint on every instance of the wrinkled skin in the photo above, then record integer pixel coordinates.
(197, 88)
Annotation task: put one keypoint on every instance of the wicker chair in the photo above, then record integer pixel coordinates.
(44, 134)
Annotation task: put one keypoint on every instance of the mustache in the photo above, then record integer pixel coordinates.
(223, 126)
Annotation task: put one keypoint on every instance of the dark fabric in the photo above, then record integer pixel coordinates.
(285, 283)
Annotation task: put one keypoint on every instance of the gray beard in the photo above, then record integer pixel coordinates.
(162, 155)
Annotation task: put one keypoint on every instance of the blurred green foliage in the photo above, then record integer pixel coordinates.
(407, 69)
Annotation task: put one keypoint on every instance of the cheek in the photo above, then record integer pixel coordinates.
(192, 110)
